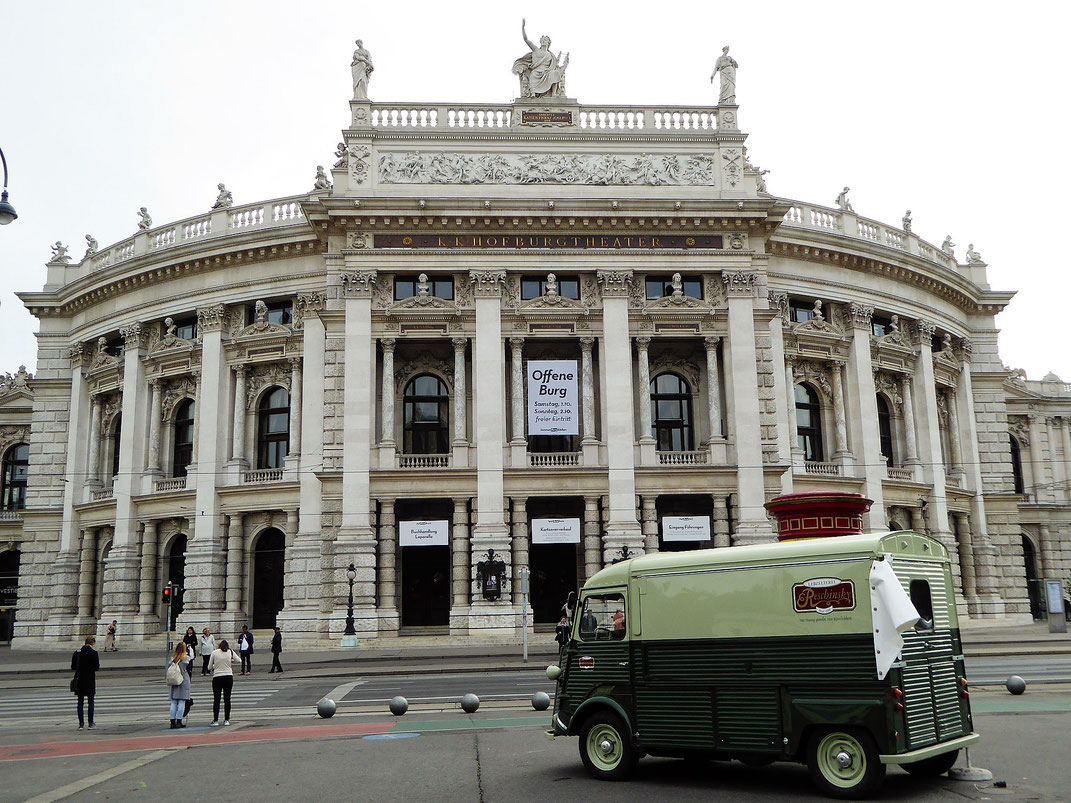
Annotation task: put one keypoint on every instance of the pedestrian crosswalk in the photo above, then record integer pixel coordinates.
(135, 700)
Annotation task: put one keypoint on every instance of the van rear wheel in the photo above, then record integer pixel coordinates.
(844, 763)
(932, 767)
(606, 747)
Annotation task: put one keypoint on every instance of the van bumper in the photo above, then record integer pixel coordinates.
(931, 751)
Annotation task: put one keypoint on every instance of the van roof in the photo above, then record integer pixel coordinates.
(902, 542)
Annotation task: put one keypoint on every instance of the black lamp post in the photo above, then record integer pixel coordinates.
(351, 574)
(7, 211)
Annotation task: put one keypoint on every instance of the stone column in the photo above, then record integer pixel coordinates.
(864, 415)
(460, 391)
(520, 545)
(649, 524)
(295, 408)
(79, 482)
(752, 525)
(592, 537)
(713, 387)
(387, 393)
(930, 436)
(238, 434)
(149, 543)
(622, 528)
(956, 473)
(516, 386)
(386, 594)
(155, 416)
(798, 455)
(87, 575)
(918, 521)
(911, 455)
(1049, 560)
(1065, 433)
(461, 566)
(1041, 480)
(235, 550)
(721, 521)
(839, 418)
(1059, 477)
(644, 387)
(94, 441)
(587, 382)
(966, 555)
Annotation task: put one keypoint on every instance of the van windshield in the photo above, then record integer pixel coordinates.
(603, 618)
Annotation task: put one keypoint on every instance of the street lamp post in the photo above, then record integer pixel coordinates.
(351, 575)
(7, 211)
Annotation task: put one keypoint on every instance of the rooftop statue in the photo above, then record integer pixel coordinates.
(973, 257)
(342, 155)
(146, 222)
(948, 245)
(59, 253)
(842, 201)
(725, 67)
(361, 67)
(224, 199)
(322, 182)
(91, 245)
(542, 73)
(907, 222)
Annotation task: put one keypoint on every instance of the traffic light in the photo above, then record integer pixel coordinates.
(167, 593)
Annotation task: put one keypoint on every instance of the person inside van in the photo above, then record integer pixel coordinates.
(619, 624)
(588, 622)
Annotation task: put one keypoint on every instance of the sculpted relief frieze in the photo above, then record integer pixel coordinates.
(497, 168)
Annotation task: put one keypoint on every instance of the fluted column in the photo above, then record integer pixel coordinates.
(644, 400)
(1040, 481)
(713, 387)
(460, 393)
(387, 393)
(1065, 433)
(238, 439)
(587, 382)
(955, 446)
(649, 524)
(461, 566)
(1059, 477)
(967, 574)
(911, 449)
(592, 537)
(721, 521)
(798, 456)
(387, 546)
(516, 345)
(155, 415)
(295, 407)
(838, 412)
(520, 544)
(87, 575)
(150, 540)
(918, 521)
(235, 548)
(1049, 567)
(94, 440)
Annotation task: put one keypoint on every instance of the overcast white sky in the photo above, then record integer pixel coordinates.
(956, 110)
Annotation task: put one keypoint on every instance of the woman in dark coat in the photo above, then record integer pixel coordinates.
(85, 663)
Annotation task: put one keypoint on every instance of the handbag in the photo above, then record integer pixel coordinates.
(74, 680)
(174, 674)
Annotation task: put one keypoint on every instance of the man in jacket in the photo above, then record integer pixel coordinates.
(85, 663)
(245, 650)
(276, 648)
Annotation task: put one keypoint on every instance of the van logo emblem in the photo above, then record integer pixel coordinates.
(823, 595)
(587, 662)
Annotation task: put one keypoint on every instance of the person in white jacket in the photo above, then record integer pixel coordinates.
(219, 664)
(208, 646)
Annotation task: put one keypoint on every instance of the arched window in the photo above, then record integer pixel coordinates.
(117, 431)
(1017, 465)
(16, 468)
(183, 449)
(425, 404)
(273, 428)
(671, 413)
(809, 423)
(885, 436)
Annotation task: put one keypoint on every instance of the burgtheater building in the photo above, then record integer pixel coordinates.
(540, 334)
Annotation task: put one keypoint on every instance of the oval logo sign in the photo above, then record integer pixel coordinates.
(823, 595)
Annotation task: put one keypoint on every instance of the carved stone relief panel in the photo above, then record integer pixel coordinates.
(889, 385)
(422, 363)
(176, 390)
(259, 377)
(814, 372)
(1019, 426)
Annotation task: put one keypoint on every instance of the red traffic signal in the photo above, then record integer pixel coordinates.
(167, 593)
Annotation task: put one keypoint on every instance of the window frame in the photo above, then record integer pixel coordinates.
(13, 482)
(425, 431)
(268, 442)
(664, 426)
(605, 626)
(1018, 482)
(568, 287)
(280, 313)
(801, 311)
(880, 325)
(182, 450)
(117, 438)
(664, 285)
(811, 434)
(435, 285)
(189, 324)
(886, 437)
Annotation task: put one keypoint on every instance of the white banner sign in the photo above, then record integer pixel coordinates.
(686, 528)
(555, 531)
(552, 397)
(423, 533)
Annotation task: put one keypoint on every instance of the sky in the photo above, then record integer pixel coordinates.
(955, 110)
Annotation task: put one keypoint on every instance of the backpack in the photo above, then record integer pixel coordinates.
(174, 674)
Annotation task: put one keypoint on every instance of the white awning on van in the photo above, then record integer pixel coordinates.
(893, 613)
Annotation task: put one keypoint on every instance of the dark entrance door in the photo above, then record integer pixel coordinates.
(9, 591)
(553, 576)
(268, 561)
(1033, 584)
(176, 575)
(684, 505)
(425, 586)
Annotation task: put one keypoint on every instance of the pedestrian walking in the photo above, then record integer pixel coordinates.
(245, 649)
(109, 640)
(178, 678)
(276, 648)
(190, 640)
(208, 645)
(85, 663)
(561, 633)
(222, 680)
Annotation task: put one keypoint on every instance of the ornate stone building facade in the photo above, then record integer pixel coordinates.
(252, 400)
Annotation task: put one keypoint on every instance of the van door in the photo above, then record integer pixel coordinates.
(597, 662)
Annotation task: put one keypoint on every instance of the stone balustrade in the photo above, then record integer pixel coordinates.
(99, 496)
(10, 515)
(898, 473)
(553, 459)
(695, 458)
(174, 484)
(821, 469)
(423, 461)
(263, 475)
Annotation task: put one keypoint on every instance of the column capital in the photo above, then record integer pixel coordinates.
(587, 343)
(642, 342)
(358, 283)
(388, 344)
(739, 282)
(711, 341)
(459, 343)
(516, 342)
(862, 315)
(295, 363)
(925, 330)
(310, 304)
(487, 283)
(241, 370)
(210, 319)
(131, 335)
(615, 282)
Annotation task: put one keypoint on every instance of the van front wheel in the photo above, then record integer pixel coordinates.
(606, 748)
(844, 763)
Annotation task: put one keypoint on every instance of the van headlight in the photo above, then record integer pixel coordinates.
(554, 672)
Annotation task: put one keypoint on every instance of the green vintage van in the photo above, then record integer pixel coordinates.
(840, 653)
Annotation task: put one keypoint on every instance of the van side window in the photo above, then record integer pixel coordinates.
(603, 618)
(920, 598)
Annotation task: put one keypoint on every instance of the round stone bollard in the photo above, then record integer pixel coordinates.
(326, 708)
(469, 703)
(398, 705)
(1015, 684)
(540, 701)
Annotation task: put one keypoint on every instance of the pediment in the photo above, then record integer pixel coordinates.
(20, 397)
(171, 343)
(265, 329)
(678, 302)
(552, 303)
(819, 326)
(422, 303)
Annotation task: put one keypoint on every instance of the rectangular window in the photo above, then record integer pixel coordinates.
(880, 326)
(603, 618)
(281, 313)
(409, 286)
(117, 348)
(923, 602)
(186, 328)
(800, 311)
(535, 286)
(662, 286)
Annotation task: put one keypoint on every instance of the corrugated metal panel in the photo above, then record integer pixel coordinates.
(947, 701)
(918, 707)
(675, 717)
(748, 718)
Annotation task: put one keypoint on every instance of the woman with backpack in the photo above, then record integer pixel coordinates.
(178, 679)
